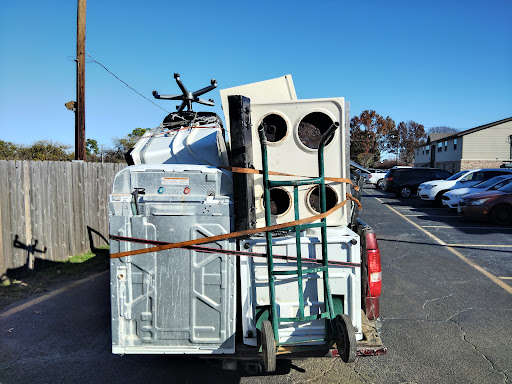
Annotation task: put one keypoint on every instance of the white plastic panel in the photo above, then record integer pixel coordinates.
(197, 145)
(298, 125)
(306, 209)
(289, 153)
(280, 89)
(344, 281)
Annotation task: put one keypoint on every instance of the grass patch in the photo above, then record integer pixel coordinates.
(54, 272)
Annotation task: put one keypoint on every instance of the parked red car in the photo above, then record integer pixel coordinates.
(495, 206)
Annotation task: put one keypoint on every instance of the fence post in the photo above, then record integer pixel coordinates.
(28, 221)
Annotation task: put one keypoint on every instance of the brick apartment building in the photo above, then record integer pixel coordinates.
(487, 146)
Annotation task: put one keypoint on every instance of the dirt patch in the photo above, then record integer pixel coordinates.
(312, 127)
(330, 197)
(309, 135)
(38, 282)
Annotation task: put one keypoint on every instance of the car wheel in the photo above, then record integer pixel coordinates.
(405, 192)
(501, 214)
(380, 184)
(439, 198)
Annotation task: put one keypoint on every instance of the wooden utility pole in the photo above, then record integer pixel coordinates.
(80, 82)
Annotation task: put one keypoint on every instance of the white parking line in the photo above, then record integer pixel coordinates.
(471, 263)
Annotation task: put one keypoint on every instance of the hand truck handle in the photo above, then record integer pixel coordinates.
(261, 133)
(327, 135)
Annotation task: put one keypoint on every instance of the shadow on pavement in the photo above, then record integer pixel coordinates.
(475, 248)
(66, 338)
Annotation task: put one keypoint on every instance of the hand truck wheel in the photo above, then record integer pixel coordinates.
(268, 346)
(346, 339)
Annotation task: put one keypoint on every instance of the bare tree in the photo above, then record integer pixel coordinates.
(402, 140)
(442, 129)
(367, 136)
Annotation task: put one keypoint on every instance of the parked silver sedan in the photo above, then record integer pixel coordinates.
(452, 197)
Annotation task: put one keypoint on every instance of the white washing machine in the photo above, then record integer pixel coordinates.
(345, 283)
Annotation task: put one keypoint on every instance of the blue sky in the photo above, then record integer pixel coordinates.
(434, 62)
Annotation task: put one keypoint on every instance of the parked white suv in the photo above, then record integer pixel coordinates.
(453, 196)
(377, 177)
(434, 190)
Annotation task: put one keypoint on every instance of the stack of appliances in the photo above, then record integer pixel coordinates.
(178, 301)
(179, 187)
(293, 129)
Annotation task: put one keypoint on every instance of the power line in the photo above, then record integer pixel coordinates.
(133, 89)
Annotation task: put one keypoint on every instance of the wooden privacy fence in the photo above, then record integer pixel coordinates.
(50, 210)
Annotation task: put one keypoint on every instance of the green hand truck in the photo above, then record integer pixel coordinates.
(339, 328)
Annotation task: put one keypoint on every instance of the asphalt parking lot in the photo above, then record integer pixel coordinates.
(446, 306)
(487, 245)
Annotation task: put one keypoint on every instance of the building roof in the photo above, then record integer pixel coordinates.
(447, 136)
(438, 136)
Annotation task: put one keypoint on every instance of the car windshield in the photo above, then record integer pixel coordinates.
(457, 175)
(490, 182)
(507, 188)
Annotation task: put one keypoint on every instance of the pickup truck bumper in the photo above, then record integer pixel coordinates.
(370, 345)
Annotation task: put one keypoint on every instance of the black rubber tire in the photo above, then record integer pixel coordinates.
(501, 214)
(346, 339)
(405, 191)
(380, 184)
(438, 202)
(268, 346)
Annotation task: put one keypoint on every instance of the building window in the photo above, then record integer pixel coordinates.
(423, 150)
(439, 146)
(427, 149)
(454, 143)
(445, 145)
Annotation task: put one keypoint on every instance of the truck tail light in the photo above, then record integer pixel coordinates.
(374, 273)
(389, 178)
(374, 285)
(374, 266)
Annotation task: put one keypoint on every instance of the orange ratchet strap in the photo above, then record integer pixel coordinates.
(259, 172)
(247, 232)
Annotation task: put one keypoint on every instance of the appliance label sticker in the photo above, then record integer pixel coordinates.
(175, 181)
